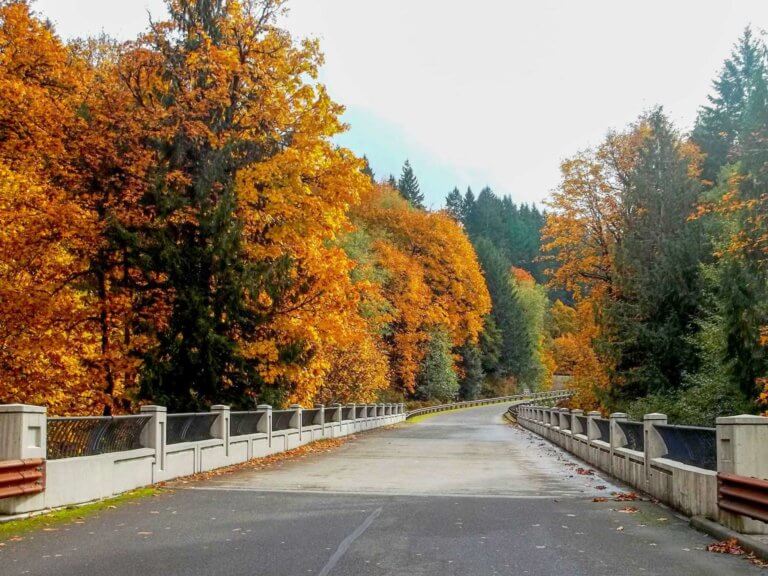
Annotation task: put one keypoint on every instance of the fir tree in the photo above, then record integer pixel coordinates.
(437, 379)
(367, 170)
(473, 376)
(454, 204)
(408, 185)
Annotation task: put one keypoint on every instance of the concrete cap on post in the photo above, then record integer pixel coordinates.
(23, 431)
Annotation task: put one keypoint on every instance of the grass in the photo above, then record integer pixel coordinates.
(16, 528)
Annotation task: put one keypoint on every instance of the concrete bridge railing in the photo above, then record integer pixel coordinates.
(519, 399)
(90, 458)
(678, 465)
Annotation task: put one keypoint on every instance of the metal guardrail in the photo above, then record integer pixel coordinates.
(557, 395)
(690, 445)
(22, 477)
(190, 427)
(634, 433)
(92, 435)
(281, 419)
(242, 423)
(604, 427)
(742, 495)
(309, 417)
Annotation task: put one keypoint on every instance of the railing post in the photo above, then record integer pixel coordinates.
(295, 421)
(265, 422)
(593, 432)
(653, 443)
(23, 431)
(321, 417)
(741, 442)
(565, 419)
(154, 433)
(617, 438)
(576, 427)
(220, 427)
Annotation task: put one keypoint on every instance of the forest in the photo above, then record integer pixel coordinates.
(178, 226)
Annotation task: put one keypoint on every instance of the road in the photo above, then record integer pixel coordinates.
(460, 493)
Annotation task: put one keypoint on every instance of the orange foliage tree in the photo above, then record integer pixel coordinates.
(431, 279)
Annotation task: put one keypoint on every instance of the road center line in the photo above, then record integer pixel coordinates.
(347, 542)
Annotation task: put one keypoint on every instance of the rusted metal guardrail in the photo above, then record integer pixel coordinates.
(742, 495)
(22, 477)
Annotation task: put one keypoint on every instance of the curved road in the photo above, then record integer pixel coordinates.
(460, 493)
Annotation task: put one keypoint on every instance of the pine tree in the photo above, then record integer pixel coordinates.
(454, 204)
(367, 170)
(437, 379)
(658, 266)
(473, 376)
(408, 185)
(721, 122)
(515, 349)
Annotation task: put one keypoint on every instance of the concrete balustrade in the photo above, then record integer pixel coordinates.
(23, 434)
(742, 449)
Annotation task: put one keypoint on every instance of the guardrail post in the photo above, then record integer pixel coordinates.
(22, 431)
(264, 425)
(617, 438)
(352, 411)
(576, 427)
(220, 427)
(153, 434)
(593, 432)
(320, 419)
(741, 442)
(565, 419)
(295, 421)
(653, 443)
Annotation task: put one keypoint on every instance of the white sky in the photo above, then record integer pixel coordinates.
(492, 92)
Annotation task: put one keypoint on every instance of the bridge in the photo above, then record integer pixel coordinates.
(455, 493)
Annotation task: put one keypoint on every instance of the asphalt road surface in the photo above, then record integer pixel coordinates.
(460, 493)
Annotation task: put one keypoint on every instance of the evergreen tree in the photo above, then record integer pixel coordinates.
(515, 349)
(408, 185)
(473, 376)
(721, 122)
(658, 267)
(367, 170)
(437, 379)
(454, 204)
(392, 182)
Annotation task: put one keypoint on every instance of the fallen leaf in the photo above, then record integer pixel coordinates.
(730, 546)
(628, 510)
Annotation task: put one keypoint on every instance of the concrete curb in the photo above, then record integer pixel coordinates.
(720, 532)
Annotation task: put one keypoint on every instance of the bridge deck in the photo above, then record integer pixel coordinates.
(457, 494)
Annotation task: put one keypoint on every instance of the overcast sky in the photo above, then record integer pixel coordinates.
(489, 92)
